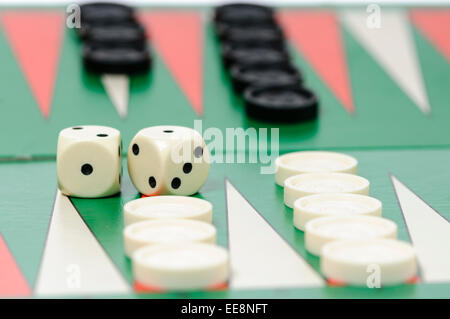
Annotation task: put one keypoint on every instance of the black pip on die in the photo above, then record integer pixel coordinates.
(89, 161)
(170, 160)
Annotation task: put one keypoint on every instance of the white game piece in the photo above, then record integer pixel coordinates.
(313, 162)
(88, 161)
(337, 204)
(324, 230)
(167, 231)
(180, 267)
(316, 183)
(163, 207)
(168, 160)
(368, 262)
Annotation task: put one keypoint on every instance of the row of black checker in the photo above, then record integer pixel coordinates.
(253, 49)
(114, 42)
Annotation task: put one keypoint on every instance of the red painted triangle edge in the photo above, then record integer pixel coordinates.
(12, 282)
(36, 38)
(434, 24)
(178, 38)
(316, 34)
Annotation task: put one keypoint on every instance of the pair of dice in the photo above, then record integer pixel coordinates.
(162, 160)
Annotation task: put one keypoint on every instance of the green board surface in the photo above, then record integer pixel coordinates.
(388, 135)
(25, 216)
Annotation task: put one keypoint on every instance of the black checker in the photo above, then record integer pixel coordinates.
(243, 77)
(243, 13)
(120, 35)
(286, 104)
(115, 60)
(260, 56)
(267, 35)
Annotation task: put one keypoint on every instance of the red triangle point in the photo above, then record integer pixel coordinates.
(12, 282)
(317, 35)
(434, 24)
(178, 38)
(35, 38)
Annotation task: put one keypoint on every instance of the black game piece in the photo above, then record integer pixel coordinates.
(281, 104)
(269, 35)
(103, 14)
(236, 13)
(244, 77)
(86, 27)
(106, 12)
(115, 60)
(121, 35)
(254, 56)
(221, 28)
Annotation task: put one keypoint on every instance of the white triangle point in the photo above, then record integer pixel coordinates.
(429, 232)
(117, 87)
(259, 256)
(74, 262)
(392, 46)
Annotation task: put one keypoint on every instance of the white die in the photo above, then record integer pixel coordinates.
(88, 161)
(168, 160)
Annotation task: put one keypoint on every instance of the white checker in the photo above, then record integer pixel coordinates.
(322, 231)
(316, 183)
(167, 231)
(181, 267)
(339, 204)
(313, 162)
(159, 207)
(363, 262)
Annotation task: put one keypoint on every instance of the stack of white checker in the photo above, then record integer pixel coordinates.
(342, 224)
(172, 243)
